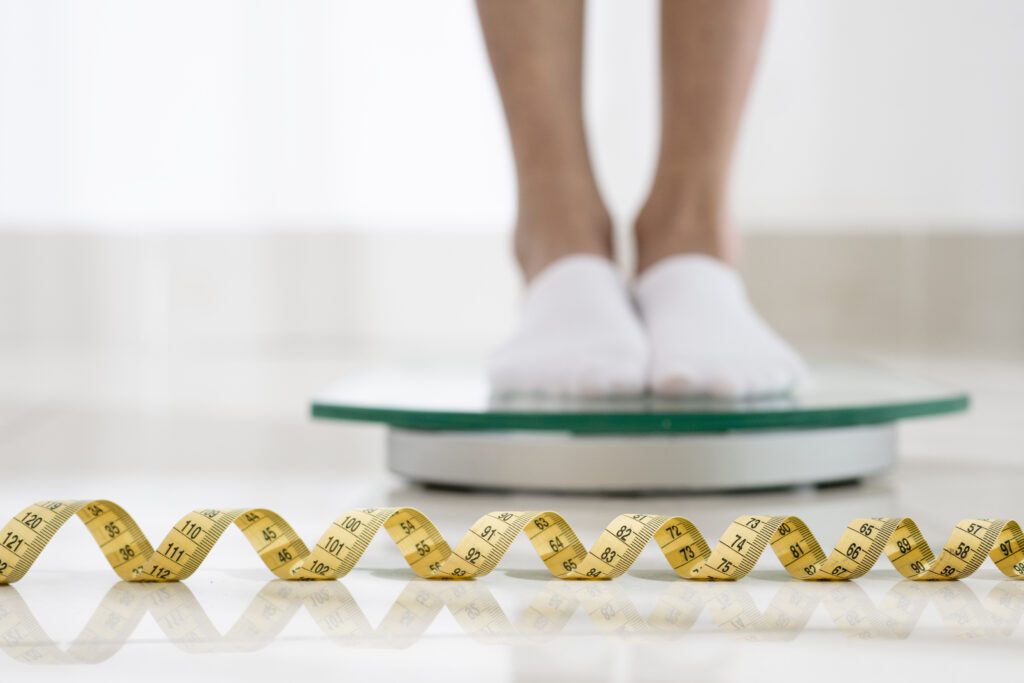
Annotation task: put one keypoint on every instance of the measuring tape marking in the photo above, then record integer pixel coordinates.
(424, 549)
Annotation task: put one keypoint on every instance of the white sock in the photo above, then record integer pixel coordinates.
(579, 335)
(706, 338)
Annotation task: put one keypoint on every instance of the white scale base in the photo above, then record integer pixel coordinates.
(687, 462)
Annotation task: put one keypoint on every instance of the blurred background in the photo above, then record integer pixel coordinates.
(215, 208)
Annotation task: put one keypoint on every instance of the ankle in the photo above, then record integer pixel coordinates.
(558, 219)
(673, 224)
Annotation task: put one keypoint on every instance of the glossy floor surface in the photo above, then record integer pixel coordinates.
(163, 439)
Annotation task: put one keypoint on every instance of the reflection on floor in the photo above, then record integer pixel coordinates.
(964, 611)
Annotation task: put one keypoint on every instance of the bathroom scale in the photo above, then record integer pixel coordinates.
(445, 428)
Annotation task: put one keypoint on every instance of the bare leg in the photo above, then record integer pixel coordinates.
(708, 50)
(578, 334)
(705, 337)
(536, 49)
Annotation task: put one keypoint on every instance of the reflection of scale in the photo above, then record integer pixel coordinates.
(445, 429)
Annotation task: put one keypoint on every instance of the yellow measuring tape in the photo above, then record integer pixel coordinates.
(339, 549)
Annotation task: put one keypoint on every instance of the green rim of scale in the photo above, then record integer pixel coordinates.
(817, 409)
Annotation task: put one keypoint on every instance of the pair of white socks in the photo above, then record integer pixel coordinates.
(687, 329)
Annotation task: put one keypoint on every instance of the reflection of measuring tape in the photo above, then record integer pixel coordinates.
(336, 553)
(338, 614)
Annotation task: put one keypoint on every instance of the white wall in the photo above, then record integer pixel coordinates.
(195, 114)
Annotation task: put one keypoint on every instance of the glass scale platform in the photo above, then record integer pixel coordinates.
(445, 428)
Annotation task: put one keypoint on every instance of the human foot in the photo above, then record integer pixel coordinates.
(578, 336)
(706, 338)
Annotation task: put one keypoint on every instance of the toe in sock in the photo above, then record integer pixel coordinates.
(578, 336)
(705, 337)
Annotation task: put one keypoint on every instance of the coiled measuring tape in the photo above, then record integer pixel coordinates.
(338, 550)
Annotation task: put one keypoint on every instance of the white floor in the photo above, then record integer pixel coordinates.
(168, 437)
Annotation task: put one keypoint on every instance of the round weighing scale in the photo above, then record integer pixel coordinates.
(444, 428)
